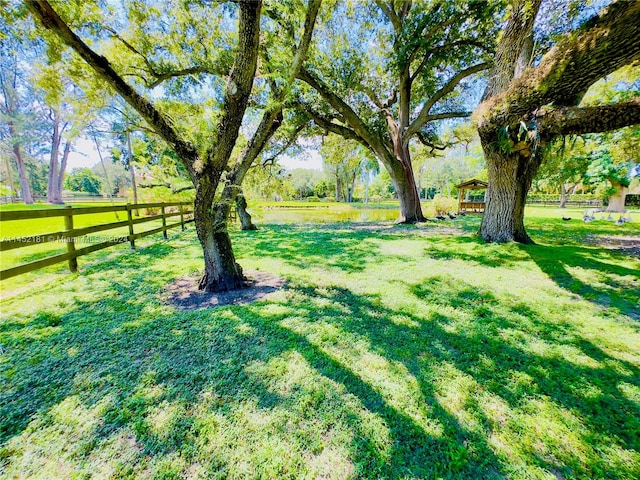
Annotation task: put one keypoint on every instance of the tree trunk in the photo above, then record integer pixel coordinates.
(243, 215)
(53, 196)
(367, 177)
(25, 188)
(616, 201)
(27, 198)
(12, 185)
(510, 178)
(56, 194)
(405, 184)
(221, 272)
(132, 172)
(563, 196)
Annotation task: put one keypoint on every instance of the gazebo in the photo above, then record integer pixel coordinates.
(469, 202)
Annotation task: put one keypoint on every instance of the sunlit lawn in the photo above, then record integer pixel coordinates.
(393, 352)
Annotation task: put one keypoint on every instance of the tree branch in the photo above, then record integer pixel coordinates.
(604, 44)
(423, 117)
(167, 185)
(514, 37)
(161, 77)
(371, 94)
(390, 13)
(428, 143)
(272, 118)
(349, 115)
(445, 115)
(442, 48)
(327, 124)
(290, 141)
(43, 11)
(239, 85)
(582, 120)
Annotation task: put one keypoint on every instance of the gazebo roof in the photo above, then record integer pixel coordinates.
(473, 184)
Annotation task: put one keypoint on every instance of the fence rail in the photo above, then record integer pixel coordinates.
(69, 234)
(83, 199)
(594, 203)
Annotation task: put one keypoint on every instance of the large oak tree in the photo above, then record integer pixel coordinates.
(146, 50)
(387, 70)
(524, 108)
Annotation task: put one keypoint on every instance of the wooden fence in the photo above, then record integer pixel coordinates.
(69, 234)
(83, 199)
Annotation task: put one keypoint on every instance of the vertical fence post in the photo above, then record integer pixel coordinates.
(181, 216)
(71, 247)
(132, 242)
(164, 223)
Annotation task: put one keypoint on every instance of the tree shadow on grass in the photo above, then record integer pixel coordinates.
(611, 286)
(334, 246)
(514, 372)
(136, 360)
(132, 357)
(137, 356)
(605, 283)
(474, 249)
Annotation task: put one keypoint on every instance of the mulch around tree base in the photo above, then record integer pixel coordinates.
(184, 294)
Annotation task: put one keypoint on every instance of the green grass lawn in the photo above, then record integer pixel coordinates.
(393, 352)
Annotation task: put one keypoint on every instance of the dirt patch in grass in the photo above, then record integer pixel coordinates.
(184, 293)
(624, 244)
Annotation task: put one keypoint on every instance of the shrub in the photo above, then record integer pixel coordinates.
(442, 204)
(313, 199)
(375, 198)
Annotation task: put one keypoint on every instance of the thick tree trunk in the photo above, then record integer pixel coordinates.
(405, 184)
(616, 201)
(243, 215)
(510, 178)
(221, 272)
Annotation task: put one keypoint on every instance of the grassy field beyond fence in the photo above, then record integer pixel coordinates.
(34, 238)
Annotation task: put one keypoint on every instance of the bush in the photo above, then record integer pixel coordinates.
(375, 199)
(443, 204)
(313, 199)
(329, 199)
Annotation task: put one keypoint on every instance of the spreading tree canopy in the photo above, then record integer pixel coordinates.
(188, 69)
(383, 72)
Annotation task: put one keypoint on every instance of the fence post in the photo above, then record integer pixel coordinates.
(164, 223)
(181, 216)
(132, 242)
(71, 247)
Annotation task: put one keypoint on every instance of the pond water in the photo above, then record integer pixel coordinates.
(328, 214)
